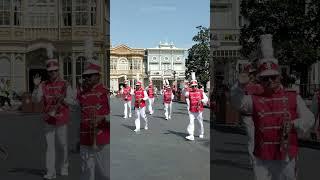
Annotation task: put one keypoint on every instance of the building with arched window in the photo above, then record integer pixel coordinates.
(125, 61)
(29, 28)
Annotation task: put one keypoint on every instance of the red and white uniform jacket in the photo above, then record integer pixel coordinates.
(167, 96)
(126, 93)
(253, 89)
(150, 91)
(268, 113)
(194, 97)
(48, 91)
(140, 94)
(94, 103)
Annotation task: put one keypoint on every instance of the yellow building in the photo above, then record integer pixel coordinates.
(29, 27)
(126, 61)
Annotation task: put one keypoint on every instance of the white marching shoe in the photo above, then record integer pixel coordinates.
(130, 115)
(136, 130)
(49, 176)
(201, 136)
(191, 138)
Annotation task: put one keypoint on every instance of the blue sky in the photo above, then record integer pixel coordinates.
(144, 23)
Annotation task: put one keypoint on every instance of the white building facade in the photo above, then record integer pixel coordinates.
(165, 62)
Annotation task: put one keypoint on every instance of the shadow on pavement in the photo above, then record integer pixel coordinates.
(228, 163)
(129, 127)
(230, 151)
(117, 115)
(180, 134)
(37, 172)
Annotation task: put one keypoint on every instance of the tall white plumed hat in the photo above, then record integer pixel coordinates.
(268, 64)
(193, 81)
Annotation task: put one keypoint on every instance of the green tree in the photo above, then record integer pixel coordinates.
(198, 56)
(293, 29)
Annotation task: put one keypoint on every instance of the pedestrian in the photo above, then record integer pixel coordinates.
(150, 91)
(56, 94)
(278, 115)
(167, 100)
(140, 96)
(126, 92)
(2, 93)
(8, 92)
(197, 99)
(95, 125)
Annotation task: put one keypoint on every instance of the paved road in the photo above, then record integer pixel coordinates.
(23, 135)
(229, 157)
(160, 153)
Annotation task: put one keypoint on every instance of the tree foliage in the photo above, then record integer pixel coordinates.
(294, 26)
(198, 56)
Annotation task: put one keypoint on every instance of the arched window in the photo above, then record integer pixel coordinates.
(67, 69)
(123, 64)
(5, 68)
(80, 63)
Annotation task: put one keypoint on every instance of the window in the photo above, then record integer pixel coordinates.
(66, 12)
(81, 12)
(5, 68)
(5, 12)
(41, 13)
(113, 64)
(93, 13)
(123, 64)
(17, 12)
(67, 69)
(80, 63)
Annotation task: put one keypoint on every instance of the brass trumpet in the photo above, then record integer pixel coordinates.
(285, 134)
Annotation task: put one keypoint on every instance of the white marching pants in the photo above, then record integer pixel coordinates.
(168, 112)
(151, 101)
(249, 125)
(188, 105)
(198, 116)
(274, 169)
(95, 164)
(127, 107)
(140, 113)
(51, 132)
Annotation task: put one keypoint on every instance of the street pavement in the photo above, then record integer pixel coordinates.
(23, 136)
(160, 153)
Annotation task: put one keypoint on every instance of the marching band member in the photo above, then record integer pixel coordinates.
(95, 125)
(150, 92)
(167, 100)
(277, 116)
(140, 96)
(56, 94)
(126, 93)
(197, 99)
(315, 108)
